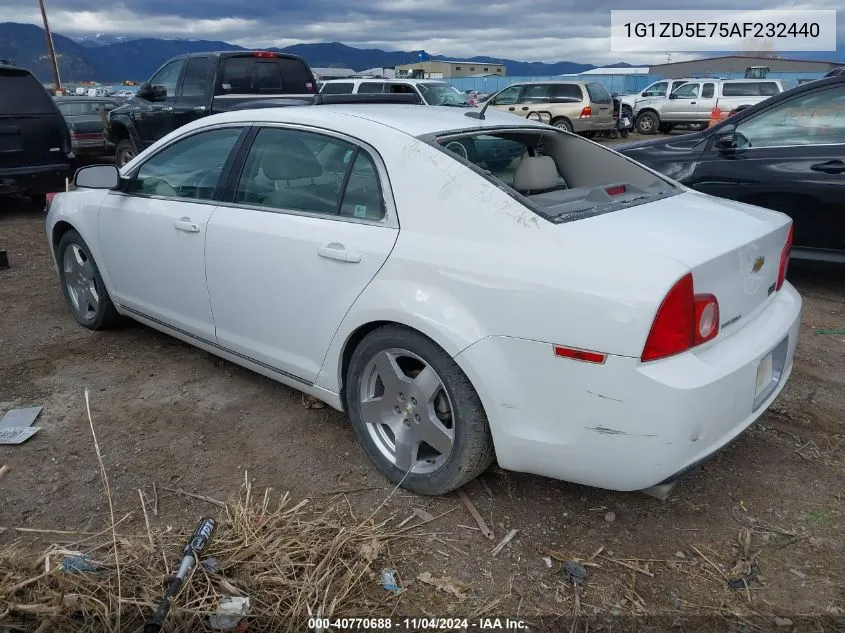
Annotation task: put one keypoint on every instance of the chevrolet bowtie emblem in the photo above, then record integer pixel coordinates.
(758, 264)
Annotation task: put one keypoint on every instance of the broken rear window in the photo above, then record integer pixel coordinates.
(560, 176)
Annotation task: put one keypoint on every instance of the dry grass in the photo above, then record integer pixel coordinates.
(291, 562)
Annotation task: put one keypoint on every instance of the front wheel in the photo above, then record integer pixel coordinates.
(124, 151)
(647, 123)
(415, 413)
(84, 291)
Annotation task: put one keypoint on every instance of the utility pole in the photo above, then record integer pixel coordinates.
(50, 48)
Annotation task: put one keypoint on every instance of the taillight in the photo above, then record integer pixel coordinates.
(264, 54)
(784, 260)
(579, 354)
(586, 112)
(683, 321)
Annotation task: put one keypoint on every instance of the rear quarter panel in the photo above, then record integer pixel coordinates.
(471, 261)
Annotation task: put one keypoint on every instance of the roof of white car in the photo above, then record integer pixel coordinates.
(415, 120)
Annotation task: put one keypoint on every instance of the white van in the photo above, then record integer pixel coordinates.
(430, 92)
(691, 103)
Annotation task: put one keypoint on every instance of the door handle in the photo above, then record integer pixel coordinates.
(200, 109)
(511, 109)
(186, 225)
(338, 252)
(830, 167)
(524, 107)
(692, 102)
(167, 108)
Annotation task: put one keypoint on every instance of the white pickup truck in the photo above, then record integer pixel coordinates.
(691, 101)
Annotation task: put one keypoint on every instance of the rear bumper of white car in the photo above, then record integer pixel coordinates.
(626, 425)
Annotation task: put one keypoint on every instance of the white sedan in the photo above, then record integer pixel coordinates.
(570, 313)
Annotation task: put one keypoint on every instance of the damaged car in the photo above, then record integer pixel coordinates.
(571, 314)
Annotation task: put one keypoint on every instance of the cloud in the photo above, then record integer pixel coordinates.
(530, 30)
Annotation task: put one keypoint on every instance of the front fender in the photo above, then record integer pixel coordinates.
(432, 312)
(125, 121)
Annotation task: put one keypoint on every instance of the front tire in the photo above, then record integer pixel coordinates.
(82, 285)
(415, 413)
(647, 123)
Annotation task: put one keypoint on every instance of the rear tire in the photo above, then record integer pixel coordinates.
(82, 285)
(562, 123)
(124, 151)
(403, 394)
(647, 123)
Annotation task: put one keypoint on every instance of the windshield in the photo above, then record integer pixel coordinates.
(441, 93)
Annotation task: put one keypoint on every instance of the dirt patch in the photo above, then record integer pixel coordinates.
(169, 414)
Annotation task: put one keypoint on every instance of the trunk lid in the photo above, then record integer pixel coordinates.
(732, 249)
(32, 131)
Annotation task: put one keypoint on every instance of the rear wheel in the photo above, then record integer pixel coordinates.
(415, 413)
(562, 123)
(84, 291)
(647, 123)
(124, 151)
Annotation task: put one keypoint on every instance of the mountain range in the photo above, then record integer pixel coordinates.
(108, 58)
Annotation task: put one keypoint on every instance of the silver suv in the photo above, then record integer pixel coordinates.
(692, 103)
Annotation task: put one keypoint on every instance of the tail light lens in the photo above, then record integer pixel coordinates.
(683, 321)
(784, 260)
(264, 54)
(586, 112)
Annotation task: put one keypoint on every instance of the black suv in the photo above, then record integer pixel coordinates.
(35, 146)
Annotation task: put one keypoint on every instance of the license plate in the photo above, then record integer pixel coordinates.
(626, 122)
(764, 374)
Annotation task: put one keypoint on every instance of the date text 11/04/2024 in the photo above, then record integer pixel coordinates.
(416, 624)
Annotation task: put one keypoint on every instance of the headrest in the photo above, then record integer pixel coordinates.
(289, 160)
(535, 173)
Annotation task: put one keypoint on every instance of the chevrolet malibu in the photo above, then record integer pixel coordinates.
(571, 314)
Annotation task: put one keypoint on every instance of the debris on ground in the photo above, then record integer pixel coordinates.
(548, 561)
(610, 517)
(16, 426)
(745, 577)
(4, 469)
(310, 402)
(680, 554)
(470, 506)
(504, 542)
(81, 563)
(229, 613)
(446, 584)
(388, 580)
(799, 574)
(274, 550)
(210, 564)
(574, 573)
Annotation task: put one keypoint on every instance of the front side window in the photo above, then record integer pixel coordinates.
(292, 170)
(811, 119)
(189, 168)
(168, 77)
(656, 90)
(508, 96)
(687, 91)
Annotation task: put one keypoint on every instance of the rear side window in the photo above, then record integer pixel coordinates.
(21, 93)
(265, 75)
(750, 89)
(337, 89)
(598, 93)
(566, 92)
(707, 91)
(371, 87)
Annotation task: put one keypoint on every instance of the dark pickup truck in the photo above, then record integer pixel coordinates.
(191, 86)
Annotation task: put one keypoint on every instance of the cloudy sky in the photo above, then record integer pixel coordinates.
(529, 30)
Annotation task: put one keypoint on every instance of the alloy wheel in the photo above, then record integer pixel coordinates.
(79, 278)
(407, 411)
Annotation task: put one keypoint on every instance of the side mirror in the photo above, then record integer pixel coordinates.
(725, 140)
(159, 92)
(145, 91)
(97, 177)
